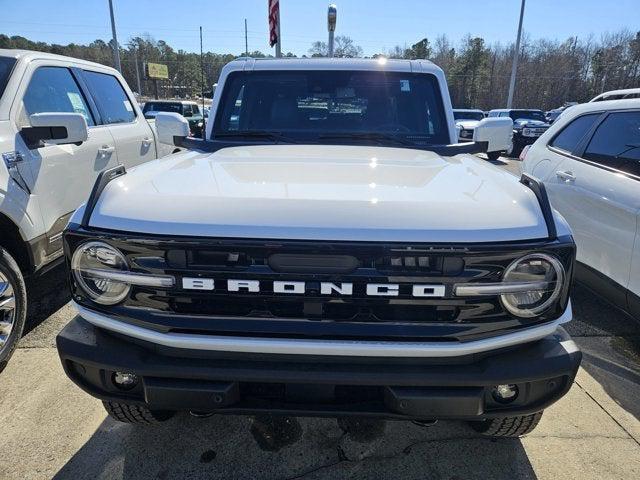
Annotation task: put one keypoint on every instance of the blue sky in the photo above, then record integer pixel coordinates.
(375, 25)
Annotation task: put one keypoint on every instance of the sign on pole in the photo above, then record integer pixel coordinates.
(157, 71)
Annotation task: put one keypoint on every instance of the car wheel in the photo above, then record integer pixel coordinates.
(493, 156)
(13, 306)
(507, 426)
(514, 150)
(136, 414)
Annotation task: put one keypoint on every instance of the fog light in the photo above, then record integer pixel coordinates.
(125, 381)
(505, 393)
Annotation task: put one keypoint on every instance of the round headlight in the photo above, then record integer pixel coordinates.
(543, 274)
(91, 263)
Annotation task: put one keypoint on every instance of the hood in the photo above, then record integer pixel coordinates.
(520, 123)
(322, 192)
(467, 124)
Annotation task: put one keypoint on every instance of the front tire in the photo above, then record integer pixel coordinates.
(493, 156)
(507, 426)
(514, 150)
(136, 414)
(13, 306)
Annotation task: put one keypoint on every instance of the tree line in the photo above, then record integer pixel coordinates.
(550, 72)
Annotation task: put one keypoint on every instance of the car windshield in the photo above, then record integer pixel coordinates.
(468, 115)
(162, 107)
(321, 106)
(527, 115)
(6, 65)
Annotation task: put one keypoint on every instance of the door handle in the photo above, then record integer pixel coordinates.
(106, 150)
(146, 142)
(566, 176)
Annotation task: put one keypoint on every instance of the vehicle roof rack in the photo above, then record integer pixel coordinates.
(101, 182)
(541, 194)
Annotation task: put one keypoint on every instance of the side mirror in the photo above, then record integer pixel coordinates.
(58, 128)
(495, 133)
(171, 128)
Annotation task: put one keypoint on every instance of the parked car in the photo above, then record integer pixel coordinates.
(551, 115)
(62, 122)
(627, 93)
(188, 109)
(528, 125)
(466, 122)
(589, 161)
(332, 250)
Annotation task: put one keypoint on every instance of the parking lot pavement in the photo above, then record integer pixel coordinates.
(49, 428)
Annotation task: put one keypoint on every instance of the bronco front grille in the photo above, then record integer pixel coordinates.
(307, 309)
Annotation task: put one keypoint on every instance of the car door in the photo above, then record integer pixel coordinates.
(59, 177)
(131, 132)
(597, 188)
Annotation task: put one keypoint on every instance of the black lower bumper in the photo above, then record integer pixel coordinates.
(454, 388)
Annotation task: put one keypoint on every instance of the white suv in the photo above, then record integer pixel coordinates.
(589, 161)
(62, 122)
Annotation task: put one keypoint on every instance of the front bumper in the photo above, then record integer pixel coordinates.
(245, 383)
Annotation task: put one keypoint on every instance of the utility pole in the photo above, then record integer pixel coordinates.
(116, 48)
(516, 54)
(202, 84)
(332, 16)
(246, 42)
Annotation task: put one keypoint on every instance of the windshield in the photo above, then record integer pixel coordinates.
(527, 115)
(6, 65)
(162, 107)
(468, 115)
(312, 105)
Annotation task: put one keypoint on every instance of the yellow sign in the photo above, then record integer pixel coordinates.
(157, 70)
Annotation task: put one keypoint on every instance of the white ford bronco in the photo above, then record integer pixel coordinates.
(62, 122)
(328, 250)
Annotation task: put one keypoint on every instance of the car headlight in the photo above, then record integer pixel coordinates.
(536, 283)
(102, 272)
(95, 267)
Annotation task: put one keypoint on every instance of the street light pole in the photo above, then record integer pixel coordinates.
(516, 54)
(332, 16)
(116, 48)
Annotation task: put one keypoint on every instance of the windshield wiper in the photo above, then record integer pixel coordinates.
(269, 135)
(375, 136)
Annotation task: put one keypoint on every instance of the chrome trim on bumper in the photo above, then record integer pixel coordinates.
(343, 348)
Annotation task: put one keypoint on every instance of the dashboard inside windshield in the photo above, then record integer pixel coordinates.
(310, 104)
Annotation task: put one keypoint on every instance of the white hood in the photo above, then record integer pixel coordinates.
(322, 193)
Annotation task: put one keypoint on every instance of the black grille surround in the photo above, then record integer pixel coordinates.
(312, 315)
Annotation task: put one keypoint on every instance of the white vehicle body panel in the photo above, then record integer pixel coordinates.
(60, 177)
(322, 192)
(600, 205)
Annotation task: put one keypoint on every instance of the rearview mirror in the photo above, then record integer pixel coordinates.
(57, 128)
(171, 128)
(495, 133)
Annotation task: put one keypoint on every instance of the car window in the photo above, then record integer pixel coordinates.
(527, 115)
(616, 143)
(162, 107)
(6, 66)
(571, 134)
(53, 89)
(187, 111)
(310, 104)
(112, 101)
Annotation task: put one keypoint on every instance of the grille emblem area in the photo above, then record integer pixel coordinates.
(287, 287)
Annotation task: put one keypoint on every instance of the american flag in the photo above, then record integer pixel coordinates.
(274, 17)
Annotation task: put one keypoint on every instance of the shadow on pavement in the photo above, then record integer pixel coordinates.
(46, 294)
(288, 448)
(610, 342)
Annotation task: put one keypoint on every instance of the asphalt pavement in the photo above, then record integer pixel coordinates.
(49, 428)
